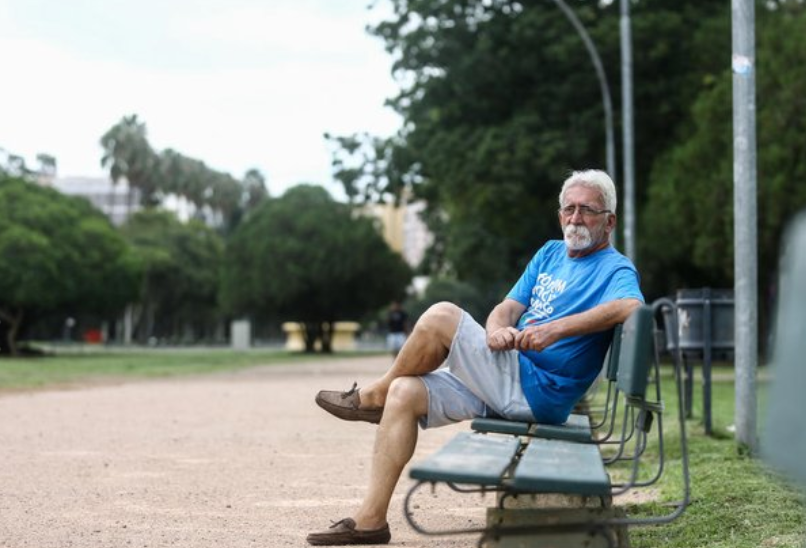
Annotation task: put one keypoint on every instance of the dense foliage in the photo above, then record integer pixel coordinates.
(500, 101)
(307, 258)
(180, 266)
(692, 191)
(56, 253)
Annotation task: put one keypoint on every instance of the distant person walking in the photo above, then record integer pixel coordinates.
(397, 322)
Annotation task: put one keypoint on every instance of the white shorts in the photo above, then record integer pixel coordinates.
(474, 381)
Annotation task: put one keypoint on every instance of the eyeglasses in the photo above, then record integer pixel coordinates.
(585, 211)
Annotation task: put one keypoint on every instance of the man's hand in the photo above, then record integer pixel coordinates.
(502, 338)
(536, 337)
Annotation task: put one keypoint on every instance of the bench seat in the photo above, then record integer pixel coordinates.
(546, 466)
(555, 466)
(577, 428)
(468, 459)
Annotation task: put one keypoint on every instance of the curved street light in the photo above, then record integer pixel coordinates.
(600, 72)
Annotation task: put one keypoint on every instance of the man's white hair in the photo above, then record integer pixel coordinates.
(595, 179)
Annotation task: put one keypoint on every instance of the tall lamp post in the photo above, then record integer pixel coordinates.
(600, 72)
(745, 230)
(627, 131)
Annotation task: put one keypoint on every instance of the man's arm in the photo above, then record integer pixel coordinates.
(598, 318)
(501, 331)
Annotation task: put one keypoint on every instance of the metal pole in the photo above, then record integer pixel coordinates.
(744, 220)
(627, 130)
(600, 72)
(707, 353)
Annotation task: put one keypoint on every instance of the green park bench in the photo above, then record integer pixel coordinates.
(520, 466)
(783, 443)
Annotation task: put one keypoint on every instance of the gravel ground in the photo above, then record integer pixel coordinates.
(232, 460)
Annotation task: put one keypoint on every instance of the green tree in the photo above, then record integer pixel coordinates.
(500, 101)
(307, 258)
(128, 155)
(692, 192)
(47, 165)
(180, 265)
(56, 252)
(467, 296)
(218, 197)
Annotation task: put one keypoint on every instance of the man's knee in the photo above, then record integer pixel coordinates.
(440, 321)
(407, 394)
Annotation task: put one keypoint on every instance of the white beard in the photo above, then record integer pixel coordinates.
(577, 237)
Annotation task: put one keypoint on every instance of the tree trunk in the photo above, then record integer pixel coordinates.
(128, 324)
(150, 315)
(13, 321)
(327, 337)
(311, 332)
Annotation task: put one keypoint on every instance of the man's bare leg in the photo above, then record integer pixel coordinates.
(424, 351)
(406, 402)
(404, 398)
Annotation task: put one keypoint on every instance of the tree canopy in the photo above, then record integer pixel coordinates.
(180, 265)
(304, 257)
(56, 252)
(500, 101)
(155, 175)
(692, 191)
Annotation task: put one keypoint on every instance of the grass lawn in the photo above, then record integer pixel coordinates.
(77, 367)
(736, 501)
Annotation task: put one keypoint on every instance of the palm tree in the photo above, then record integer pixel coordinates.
(47, 167)
(128, 155)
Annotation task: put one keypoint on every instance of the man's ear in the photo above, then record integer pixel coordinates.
(611, 222)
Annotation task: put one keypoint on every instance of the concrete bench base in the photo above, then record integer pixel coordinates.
(552, 501)
(571, 538)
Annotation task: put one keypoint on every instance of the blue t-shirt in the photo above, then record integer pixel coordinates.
(553, 286)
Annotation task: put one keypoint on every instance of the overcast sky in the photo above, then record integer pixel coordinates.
(234, 83)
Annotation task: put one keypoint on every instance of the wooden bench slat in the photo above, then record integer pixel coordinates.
(468, 458)
(577, 428)
(501, 426)
(554, 466)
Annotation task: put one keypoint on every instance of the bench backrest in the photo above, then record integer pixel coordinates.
(783, 441)
(635, 353)
(613, 354)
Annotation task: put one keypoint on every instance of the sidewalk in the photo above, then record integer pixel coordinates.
(243, 459)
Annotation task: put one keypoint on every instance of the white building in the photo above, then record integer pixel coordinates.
(114, 200)
(403, 229)
(117, 202)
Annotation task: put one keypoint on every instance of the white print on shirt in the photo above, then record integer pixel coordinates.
(546, 289)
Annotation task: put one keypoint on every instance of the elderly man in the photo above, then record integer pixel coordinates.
(542, 348)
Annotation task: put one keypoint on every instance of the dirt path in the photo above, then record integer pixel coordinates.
(243, 459)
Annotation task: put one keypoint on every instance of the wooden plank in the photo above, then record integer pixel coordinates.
(468, 458)
(635, 356)
(501, 426)
(553, 466)
(577, 428)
